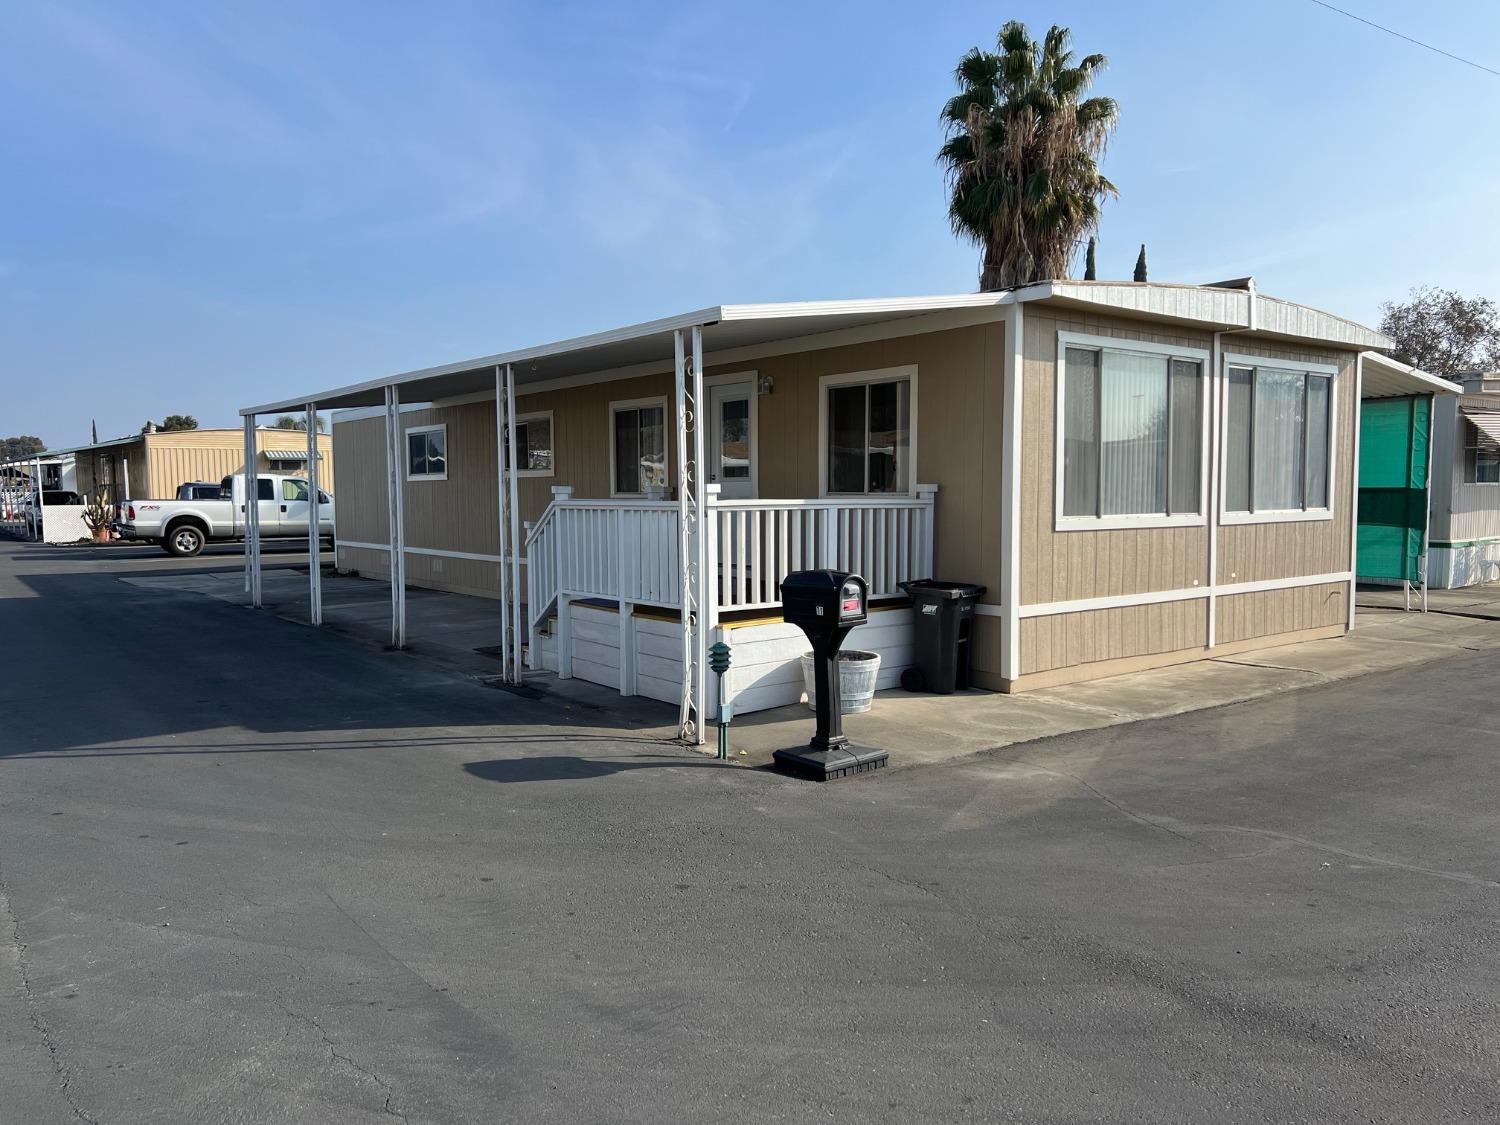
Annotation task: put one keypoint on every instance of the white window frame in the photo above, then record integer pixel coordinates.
(1472, 445)
(1280, 515)
(406, 451)
(907, 373)
(666, 437)
(533, 416)
(1169, 352)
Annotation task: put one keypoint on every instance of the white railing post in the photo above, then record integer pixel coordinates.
(531, 603)
(924, 553)
(513, 503)
(627, 547)
(709, 611)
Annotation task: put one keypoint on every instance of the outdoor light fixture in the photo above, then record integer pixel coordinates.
(718, 661)
(767, 384)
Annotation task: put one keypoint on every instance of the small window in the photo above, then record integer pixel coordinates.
(1132, 434)
(265, 488)
(1277, 448)
(869, 436)
(1481, 456)
(427, 453)
(294, 489)
(533, 445)
(639, 437)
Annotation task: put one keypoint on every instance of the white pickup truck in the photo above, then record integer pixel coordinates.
(184, 527)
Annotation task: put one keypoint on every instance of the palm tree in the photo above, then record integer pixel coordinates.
(1022, 155)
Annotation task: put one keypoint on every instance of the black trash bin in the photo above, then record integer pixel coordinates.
(945, 620)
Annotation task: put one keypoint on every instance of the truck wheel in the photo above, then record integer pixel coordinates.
(184, 541)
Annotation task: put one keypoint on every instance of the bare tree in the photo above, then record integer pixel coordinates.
(1442, 331)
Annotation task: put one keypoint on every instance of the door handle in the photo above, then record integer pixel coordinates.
(283, 507)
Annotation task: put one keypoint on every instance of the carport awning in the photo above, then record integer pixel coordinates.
(1487, 423)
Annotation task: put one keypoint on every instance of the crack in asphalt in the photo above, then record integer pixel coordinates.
(357, 1067)
(33, 1011)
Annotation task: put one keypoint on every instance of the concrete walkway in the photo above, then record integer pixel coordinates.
(451, 630)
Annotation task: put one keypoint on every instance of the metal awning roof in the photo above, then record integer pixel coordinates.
(288, 455)
(1384, 377)
(1487, 423)
(648, 347)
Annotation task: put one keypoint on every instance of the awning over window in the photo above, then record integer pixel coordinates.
(1487, 422)
(288, 455)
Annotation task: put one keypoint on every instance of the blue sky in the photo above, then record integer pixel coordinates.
(206, 205)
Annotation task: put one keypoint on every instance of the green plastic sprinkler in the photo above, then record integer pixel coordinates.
(718, 660)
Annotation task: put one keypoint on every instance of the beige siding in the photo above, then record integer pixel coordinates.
(359, 493)
(1066, 640)
(1258, 551)
(1067, 565)
(1269, 612)
(175, 458)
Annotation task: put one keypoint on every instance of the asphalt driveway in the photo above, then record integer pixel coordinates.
(251, 872)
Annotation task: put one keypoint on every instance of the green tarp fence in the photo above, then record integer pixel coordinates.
(1393, 440)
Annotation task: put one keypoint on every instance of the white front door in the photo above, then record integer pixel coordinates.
(731, 452)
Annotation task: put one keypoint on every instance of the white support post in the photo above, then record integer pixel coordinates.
(1359, 390)
(395, 461)
(503, 462)
(1427, 508)
(1010, 498)
(925, 546)
(252, 518)
(514, 503)
(40, 503)
(314, 523)
(627, 547)
(249, 459)
(687, 720)
(703, 579)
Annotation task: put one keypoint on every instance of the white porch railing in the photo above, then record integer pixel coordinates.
(626, 550)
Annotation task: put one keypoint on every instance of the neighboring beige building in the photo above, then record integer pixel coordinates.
(1138, 474)
(152, 465)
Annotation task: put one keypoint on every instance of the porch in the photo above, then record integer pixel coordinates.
(606, 587)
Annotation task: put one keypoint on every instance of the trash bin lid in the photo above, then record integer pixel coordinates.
(931, 589)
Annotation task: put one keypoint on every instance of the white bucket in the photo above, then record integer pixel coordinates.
(857, 674)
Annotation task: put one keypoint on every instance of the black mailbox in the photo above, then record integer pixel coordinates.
(826, 605)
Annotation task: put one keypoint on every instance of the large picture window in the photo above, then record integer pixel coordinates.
(1131, 429)
(639, 442)
(533, 445)
(867, 433)
(427, 453)
(1278, 425)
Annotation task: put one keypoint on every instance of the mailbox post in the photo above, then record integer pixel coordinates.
(827, 605)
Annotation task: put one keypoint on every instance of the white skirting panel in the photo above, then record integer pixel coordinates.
(1470, 565)
(765, 669)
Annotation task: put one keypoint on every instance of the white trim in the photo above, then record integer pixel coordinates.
(1293, 515)
(1013, 379)
(1114, 601)
(406, 436)
(729, 378)
(521, 420)
(432, 551)
(1168, 352)
(1188, 593)
(905, 372)
(635, 404)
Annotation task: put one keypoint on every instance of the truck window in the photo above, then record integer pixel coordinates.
(266, 489)
(292, 489)
(226, 487)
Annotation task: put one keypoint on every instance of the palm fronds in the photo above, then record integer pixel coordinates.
(1021, 153)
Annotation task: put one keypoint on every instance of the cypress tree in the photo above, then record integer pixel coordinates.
(1140, 264)
(1089, 272)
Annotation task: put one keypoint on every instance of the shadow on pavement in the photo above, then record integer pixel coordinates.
(560, 767)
